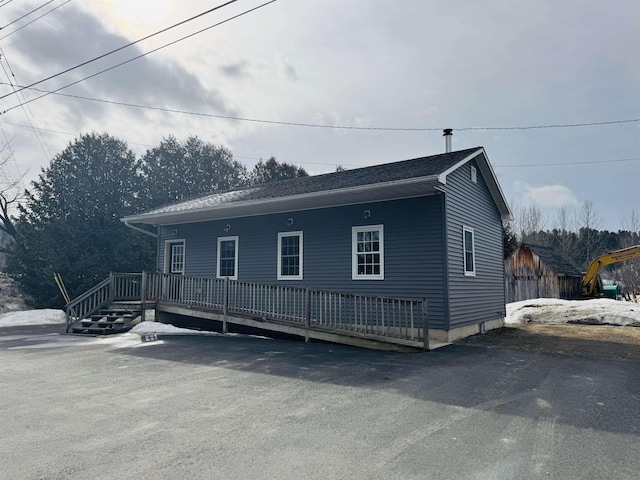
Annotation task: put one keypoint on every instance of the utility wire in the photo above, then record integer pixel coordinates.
(6, 3)
(124, 46)
(569, 163)
(39, 137)
(26, 14)
(142, 55)
(316, 125)
(34, 20)
(3, 122)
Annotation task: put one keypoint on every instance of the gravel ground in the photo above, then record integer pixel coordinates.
(580, 340)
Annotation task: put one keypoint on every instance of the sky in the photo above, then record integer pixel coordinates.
(475, 66)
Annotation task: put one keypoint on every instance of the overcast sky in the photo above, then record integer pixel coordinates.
(363, 63)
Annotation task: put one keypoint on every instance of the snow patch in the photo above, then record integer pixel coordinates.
(44, 316)
(601, 311)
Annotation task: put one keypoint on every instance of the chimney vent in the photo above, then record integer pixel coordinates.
(447, 134)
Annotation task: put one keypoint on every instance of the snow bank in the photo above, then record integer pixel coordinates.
(155, 327)
(32, 317)
(601, 311)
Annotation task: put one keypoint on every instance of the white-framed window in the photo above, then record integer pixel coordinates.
(468, 244)
(227, 264)
(290, 256)
(474, 174)
(367, 252)
(174, 251)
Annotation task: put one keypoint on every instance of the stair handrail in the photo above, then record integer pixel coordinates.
(71, 307)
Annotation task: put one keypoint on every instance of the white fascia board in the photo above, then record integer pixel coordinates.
(387, 191)
(488, 173)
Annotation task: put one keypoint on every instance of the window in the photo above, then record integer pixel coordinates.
(474, 175)
(290, 256)
(367, 247)
(469, 251)
(174, 256)
(228, 257)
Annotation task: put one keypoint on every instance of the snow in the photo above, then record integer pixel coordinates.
(45, 316)
(539, 310)
(601, 311)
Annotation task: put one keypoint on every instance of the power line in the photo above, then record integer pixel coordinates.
(345, 164)
(34, 20)
(123, 47)
(569, 163)
(4, 4)
(315, 125)
(26, 14)
(39, 137)
(143, 55)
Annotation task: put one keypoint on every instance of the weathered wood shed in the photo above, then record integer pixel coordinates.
(534, 271)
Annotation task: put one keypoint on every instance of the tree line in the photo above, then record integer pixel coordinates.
(68, 219)
(576, 235)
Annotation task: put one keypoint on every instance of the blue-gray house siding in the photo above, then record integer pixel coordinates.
(478, 298)
(413, 239)
(423, 205)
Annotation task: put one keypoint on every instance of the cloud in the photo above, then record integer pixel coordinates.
(236, 70)
(548, 196)
(77, 36)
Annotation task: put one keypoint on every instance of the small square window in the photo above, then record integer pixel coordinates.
(474, 175)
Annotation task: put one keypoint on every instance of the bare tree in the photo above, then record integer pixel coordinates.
(565, 226)
(10, 191)
(629, 271)
(529, 223)
(589, 222)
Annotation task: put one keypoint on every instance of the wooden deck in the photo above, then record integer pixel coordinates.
(361, 320)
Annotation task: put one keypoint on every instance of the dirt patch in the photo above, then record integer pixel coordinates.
(580, 340)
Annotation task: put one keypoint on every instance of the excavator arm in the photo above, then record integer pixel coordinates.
(591, 286)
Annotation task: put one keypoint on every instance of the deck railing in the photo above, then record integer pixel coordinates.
(367, 315)
(117, 286)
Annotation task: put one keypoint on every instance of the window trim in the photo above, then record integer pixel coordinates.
(354, 252)
(474, 174)
(235, 265)
(168, 244)
(282, 235)
(468, 273)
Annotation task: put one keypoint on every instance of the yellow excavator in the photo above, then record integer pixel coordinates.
(591, 283)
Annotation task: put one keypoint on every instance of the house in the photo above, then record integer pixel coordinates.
(426, 228)
(534, 271)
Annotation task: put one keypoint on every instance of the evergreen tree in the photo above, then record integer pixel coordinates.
(272, 171)
(175, 171)
(70, 223)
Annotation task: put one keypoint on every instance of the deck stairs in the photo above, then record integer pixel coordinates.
(118, 317)
(120, 301)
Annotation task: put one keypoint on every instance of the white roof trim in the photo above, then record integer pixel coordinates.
(394, 189)
(488, 173)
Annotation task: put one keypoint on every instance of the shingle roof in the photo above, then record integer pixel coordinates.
(339, 185)
(555, 260)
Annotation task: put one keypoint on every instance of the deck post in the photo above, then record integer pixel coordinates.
(112, 287)
(225, 304)
(307, 313)
(143, 296)
(425, 325)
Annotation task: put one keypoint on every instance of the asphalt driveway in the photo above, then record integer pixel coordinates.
(214, 407)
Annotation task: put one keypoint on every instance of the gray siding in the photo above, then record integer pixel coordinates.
(479, 298)
(414, 260)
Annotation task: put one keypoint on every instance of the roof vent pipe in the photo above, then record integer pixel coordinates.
(448, 133)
